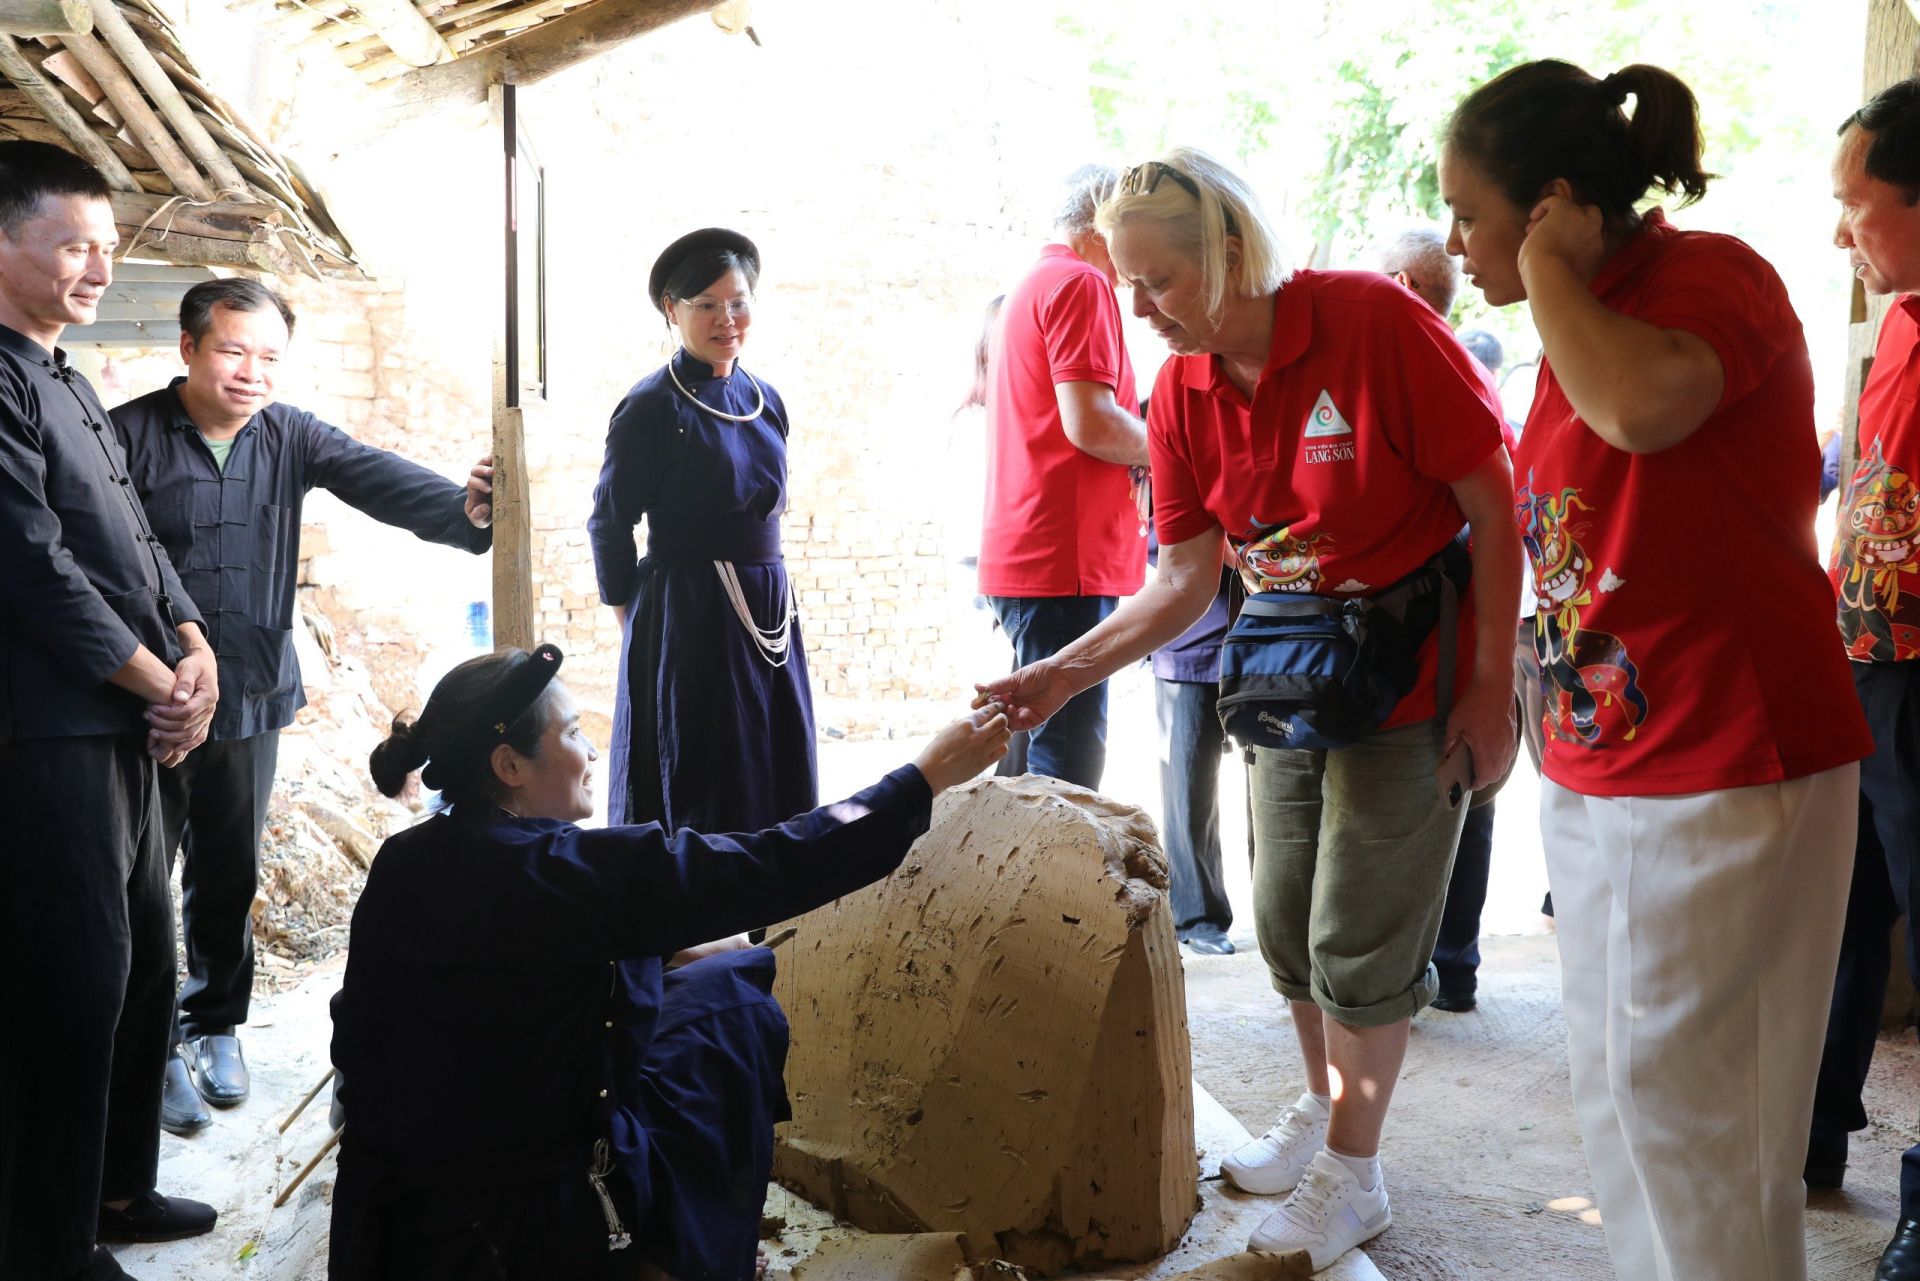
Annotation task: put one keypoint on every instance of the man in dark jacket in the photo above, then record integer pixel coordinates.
(103, 671)
(222, 471)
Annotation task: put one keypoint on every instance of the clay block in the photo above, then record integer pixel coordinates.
(922, 1256)
(993, 1040)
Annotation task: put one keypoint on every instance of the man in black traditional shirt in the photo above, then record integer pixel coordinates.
(103, 671)
(222, 471)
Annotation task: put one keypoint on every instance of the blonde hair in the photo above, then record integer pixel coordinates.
(1226, 206)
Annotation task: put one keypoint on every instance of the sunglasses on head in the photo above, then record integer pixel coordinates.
(1142, 179)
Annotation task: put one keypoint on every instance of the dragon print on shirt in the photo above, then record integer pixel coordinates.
(1873, 557)
(1274, 560)
(1590, 685)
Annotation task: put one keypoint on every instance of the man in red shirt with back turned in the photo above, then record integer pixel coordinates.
(1876, 576)
(1062, 539)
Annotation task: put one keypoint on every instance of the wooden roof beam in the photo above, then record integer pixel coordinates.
(532, 56)
(54, 106)
(406, 31)
(45, 17)
(139, 60)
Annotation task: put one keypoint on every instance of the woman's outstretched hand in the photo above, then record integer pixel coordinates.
(1028, 696)
(964, 748)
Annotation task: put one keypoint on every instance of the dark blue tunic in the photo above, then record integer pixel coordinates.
(707, 733)
(504, 1009)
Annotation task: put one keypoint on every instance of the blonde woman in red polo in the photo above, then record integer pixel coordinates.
(1702, 735)
(1328, 430)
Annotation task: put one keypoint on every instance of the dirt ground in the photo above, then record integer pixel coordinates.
(1481, 1153)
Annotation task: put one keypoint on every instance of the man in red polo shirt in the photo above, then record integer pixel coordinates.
(1876, 178)
(1062, 539)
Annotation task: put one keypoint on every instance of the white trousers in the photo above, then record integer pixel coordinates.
(1698, 938)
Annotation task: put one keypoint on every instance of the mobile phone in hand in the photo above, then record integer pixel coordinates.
(1455, 775)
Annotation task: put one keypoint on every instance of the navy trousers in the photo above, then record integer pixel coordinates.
(1191, 743)
(212, 806)
(86, 938)
(1072, 746)
(1456, 952)
(1886, 856)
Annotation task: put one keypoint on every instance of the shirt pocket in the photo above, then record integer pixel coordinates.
(271, 667)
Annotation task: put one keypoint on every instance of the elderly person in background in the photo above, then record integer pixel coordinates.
(1418, 259)
(1062, 540)
(1328, 427)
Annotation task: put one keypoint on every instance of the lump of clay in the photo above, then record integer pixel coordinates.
(994, 1041)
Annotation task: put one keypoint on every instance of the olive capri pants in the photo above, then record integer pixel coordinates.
(1352, 850)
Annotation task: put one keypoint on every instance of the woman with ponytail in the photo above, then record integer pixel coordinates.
(546, 1072)
(1702, 742)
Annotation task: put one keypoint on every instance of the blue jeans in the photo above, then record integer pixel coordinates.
(1072, 745)
(1191, 741)
(1456, 953)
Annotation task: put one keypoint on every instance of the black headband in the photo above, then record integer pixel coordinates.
(472, 743)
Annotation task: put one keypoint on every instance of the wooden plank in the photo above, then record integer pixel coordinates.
(45, 17)
(158, 272)
(512, 517)
(532, 56)
(76, 131)
(411, 37)
(153, 218)
(136, 58)
(138, 116)
(123, 333)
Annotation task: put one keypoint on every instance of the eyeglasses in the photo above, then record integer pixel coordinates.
(1142, 179)
(707, 308)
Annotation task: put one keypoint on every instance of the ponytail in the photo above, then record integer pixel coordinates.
(1545, 120)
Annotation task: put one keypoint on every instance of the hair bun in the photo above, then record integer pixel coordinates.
(402, 752)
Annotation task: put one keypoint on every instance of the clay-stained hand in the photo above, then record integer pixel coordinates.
(1028, 696)
(480, 493)
(176, 728)
(1485, 720)
(1558, 227)
(964, 748)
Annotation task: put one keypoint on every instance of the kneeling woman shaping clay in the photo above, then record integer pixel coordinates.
(530, 1090)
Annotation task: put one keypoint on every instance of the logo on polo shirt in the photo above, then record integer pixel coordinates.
(1328, 437)
(1325, 420)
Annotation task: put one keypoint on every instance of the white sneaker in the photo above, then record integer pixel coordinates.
(1275, 1161)
(1327, 1215)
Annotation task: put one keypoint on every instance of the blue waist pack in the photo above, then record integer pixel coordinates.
(1317, 672)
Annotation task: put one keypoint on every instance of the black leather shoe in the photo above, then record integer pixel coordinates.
(101, 1267)
(1455, 1000)
(1209, 940)
(181, 1111)
(218, 1069)
(1900, 1261)
(152, 1217)
(1826, 1161)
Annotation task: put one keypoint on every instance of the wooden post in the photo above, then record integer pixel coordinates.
(45, 17)
(1893, 54)
(512, 520)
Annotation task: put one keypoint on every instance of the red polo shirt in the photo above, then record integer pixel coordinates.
(1874, 565)
(1058, 522)
(1683, 622)
(1335, 479)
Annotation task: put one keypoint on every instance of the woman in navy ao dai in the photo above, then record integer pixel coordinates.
(713, 727)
